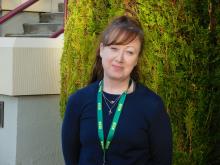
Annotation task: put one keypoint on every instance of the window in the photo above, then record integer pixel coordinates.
(1, 114)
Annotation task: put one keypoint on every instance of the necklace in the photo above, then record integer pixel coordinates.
(111, 101)
(114, 103)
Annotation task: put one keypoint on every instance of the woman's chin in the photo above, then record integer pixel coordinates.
(117, 77)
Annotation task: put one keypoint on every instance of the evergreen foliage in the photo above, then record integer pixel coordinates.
(176, 68)
(181, 63)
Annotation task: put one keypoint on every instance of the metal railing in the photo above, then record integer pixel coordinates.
(28, 3)
(17, 10)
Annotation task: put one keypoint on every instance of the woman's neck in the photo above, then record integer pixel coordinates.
(116, 86)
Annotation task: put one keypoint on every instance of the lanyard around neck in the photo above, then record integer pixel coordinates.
(105, 145)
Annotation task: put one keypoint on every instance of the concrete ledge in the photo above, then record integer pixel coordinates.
(30, 66)
(40, 6)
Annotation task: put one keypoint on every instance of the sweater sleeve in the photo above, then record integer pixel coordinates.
(70, 131)
(160, 137)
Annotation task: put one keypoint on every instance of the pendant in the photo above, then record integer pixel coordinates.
(110, 112)
(112, 102)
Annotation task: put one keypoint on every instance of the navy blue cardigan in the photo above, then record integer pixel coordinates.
(142, 137)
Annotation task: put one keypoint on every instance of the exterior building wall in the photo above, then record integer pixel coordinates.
(8, 134)
(29, 88)
(55, 5)
(38, 132)
(40, 6)
(30, 66)
(32, 131)
(6, 67)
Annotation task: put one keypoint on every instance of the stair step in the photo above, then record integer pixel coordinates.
(28, 35)
(41, 28)
(52, 17)
(61, 7)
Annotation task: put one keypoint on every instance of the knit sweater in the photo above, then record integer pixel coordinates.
(142, 137)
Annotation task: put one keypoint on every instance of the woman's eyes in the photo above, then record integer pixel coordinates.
(113, 48)
(130, 52)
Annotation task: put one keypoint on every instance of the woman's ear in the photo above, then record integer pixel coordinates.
(101, 46)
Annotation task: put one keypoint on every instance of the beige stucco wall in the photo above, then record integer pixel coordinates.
(55, 4)
(40, 6)
(6, 66)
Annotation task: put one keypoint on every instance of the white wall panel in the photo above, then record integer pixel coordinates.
(33, 67)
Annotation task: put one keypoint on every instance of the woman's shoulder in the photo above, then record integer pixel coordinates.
(150, 101)
(87, 91)
(79, 98)
(145, 92)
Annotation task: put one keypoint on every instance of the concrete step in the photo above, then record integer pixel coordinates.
(29, 35)
(52, 17)
(41, 28)
(61, 7)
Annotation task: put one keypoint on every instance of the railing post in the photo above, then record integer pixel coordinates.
(65, 10)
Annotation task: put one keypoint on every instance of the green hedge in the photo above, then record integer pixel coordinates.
(181, 63)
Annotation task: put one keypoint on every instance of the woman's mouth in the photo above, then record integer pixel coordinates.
(117, 68)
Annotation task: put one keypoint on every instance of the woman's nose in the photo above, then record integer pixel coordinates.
(120, 56)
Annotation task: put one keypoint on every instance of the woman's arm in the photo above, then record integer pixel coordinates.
(70, 132)
(160, 137)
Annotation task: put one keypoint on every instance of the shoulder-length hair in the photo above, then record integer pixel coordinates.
(121, 31)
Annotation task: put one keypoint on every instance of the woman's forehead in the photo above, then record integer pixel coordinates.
(119, 37)
(134, 43)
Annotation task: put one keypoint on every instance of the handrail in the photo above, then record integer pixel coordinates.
(28, 3)
(57, 33)
(65, 10)
(16, 10)
(60, 31)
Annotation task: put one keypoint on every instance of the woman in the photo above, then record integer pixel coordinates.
(115, 120)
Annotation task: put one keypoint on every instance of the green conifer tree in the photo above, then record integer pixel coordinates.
(180, 62)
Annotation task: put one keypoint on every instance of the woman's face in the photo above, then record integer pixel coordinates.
(118, 61)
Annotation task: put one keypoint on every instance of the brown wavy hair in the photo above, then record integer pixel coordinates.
(121, 31)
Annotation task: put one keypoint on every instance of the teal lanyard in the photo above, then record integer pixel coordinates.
(105, 145)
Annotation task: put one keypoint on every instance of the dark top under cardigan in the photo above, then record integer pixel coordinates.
(142, 137)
